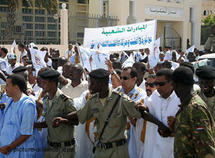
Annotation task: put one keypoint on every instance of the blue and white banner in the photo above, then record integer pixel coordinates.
(124, 37)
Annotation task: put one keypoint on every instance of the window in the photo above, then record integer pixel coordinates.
(37, 4)
(52, 26)
(18, 29)
(39, 12)
(39, 34)
(39, 19)
(3, 9)
(51, 19)
(204, 13)
(52, 12)
(28, 26)
(80, 34)
(28, 33)
(82, 1)
(4, 2)
(27, 18)
(40, 26)
(3, 25)
(26, 11)
(51, 34)
(105, 8)
(3, 32)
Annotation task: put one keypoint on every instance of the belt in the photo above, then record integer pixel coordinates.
(58, 145)
(111, 145)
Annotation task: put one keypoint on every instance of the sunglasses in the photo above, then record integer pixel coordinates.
(150, 84)
(124, 78)
(160, 83)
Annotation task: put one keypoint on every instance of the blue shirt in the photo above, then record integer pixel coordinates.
(18, 119)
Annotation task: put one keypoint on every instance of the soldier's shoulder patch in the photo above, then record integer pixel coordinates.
(197, 102)
(64, 97)
(117, 93)
(88, 96)
(93, 96)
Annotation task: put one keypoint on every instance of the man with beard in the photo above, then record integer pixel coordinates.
(162, 103)
(150, 85)
(206, 75)
(145, 129)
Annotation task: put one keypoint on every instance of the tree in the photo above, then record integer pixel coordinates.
(49, 5)
(209, 20)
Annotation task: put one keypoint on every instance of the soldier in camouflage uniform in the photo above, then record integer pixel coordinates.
(210, 43)
(206, 76)
(193, 122)
(61, 143)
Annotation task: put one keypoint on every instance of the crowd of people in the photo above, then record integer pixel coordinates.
(89, 103)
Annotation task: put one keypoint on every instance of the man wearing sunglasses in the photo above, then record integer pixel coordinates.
(145, 128)
(150, 85)
(206, 76)
(136, 94)
(162, 103)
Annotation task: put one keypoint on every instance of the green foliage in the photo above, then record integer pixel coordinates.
(209, 20)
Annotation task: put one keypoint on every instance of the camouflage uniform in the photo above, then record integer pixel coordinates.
(210, 43)
(194, 130)
(210, 101)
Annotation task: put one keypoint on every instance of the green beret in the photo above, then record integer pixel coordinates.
(99, 74)
(49, 74)
(19, 69)
(183, 75)
(205, 72)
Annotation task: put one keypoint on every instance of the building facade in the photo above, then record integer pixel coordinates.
(178, 21)
(33, 24)
(208, 8)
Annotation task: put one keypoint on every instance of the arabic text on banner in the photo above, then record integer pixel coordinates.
(119, 38)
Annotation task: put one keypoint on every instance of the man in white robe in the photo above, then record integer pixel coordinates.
(162, 103)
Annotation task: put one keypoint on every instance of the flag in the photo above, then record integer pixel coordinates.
(13, 46)
(84, 57)
(37, 58)
(129, 62)
(191, 49)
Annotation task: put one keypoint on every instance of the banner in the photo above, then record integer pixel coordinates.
(119, 38)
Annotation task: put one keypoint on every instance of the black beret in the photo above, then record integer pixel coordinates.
(183, 75)
(205, 72)
(99, 74)
(19, 69)
(49, 74)
(188, 64)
